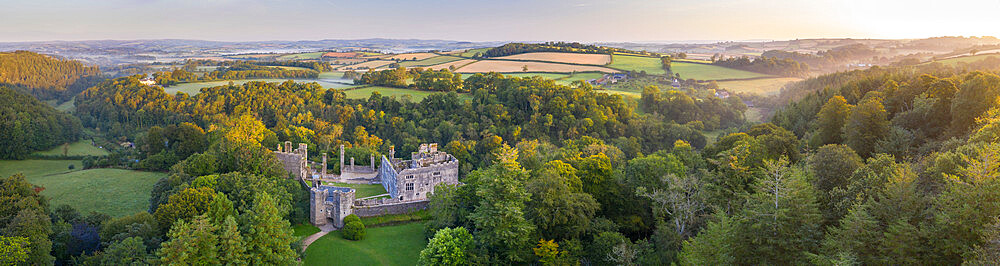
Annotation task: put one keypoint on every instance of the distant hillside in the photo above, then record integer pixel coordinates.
(45, 77)
(28, 125)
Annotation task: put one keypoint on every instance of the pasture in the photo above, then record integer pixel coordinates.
(390, 245)
(579, 76)
(473, 52)
(115, 192)
(965, 59)
(410, 56)
(430, 61)
(457, 64)
(367, 65)
(555, 76)
(300, 56)
(193, 88)
(399, 93)
(710, 72)
(79, 148)
(764, 86)
(569, 58)
(504, 66)
(637, 63)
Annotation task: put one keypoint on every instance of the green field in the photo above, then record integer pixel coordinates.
(473, 52)
(579, 76)
(416, 95)
(361, 190)
(543, 75)
(430, 61)
(966, 59)
(302, 56)
(64, 106)
(765, 86)
(195, 87)
(115, 192)
(651, 65)
(391, 245)
(79, 148)
(622, 93)
(710, 72)
(331, 75)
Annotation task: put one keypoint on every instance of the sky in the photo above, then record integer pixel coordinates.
(496, 20)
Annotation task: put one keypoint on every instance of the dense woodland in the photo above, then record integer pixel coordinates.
(45, 77)
(880, 166)
(520, 48)
(829, 60)
(766, 65)
(28, 125)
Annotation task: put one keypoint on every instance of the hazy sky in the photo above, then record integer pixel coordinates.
(496, 20)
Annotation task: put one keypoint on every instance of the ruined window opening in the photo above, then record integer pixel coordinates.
(409, 186)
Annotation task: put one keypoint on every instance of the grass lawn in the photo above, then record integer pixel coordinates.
(766, 87)
(473, 52)
(710, 72)
(637, 63)
(193, 88)
(115, 192)
(362, 190)
(304, 230)
(430, 61)
(417, 95)
(79, 148)
(390, 245)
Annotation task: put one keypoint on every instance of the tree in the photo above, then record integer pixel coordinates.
(449, 246)
(558, 210)
(130, 251)
(977, 93)
(13, 250)
(682, 199)
(193, 243)
(866, 125)
(831, 119)
(23, 214)
(188, 203)
(499, 215)
(232, 246)
(269, 238)
(832, 166)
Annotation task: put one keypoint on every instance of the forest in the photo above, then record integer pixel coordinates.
(28, 125)
(45, 77)
(888, 165)
(563, 47)
(766, 65)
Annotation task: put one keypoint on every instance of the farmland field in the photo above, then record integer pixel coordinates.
(504, 66)
(367, 65)
(571, 58)
(430, 61)
(966, 59)
(710, 72)
(79, 148)
(637, 63)
(410, 56)
(544, 75)
(458, 64)
(115, 192)
(195, 87)
(300, 56)
(579, 76)
(365, 92)
(766, 86)
(390, 245)
(473, 52)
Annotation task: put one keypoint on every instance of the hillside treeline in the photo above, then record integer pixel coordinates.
(232, 72)
(829, 60)
(765, 65)
(45, 77)
(28, 125)
(192, 65)
(564, 47)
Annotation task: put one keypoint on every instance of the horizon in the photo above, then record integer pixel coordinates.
(479, 21)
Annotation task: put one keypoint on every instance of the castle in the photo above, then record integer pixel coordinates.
(408, 182)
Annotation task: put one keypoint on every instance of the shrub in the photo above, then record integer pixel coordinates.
(351, 218)
(354, 230)
(71, 167)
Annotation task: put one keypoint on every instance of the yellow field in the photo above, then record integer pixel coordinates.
(517, 66)
(366, 65)
(457, 64)
(410, 56)
(572, 58)
(766, 86)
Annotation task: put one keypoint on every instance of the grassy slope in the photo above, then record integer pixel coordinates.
(430, 61)
(391, 245)
(710, 72)
(112, 191)
(637, 63)
(472, 52)
(304, 230)
(362, 190)
(579, 76)
(966, 59)
(767, 86)
(313, 55)
(529, 74)
(79, 148)
(416, 95)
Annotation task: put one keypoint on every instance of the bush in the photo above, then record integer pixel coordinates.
(354, 230)
(351, 218)
(71, 167)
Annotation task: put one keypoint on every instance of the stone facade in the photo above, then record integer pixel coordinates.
(409, 183)
(294, 161)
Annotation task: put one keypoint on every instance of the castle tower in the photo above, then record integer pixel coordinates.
(322, 171)
(288, 146)
(392, 151)
(372, 165)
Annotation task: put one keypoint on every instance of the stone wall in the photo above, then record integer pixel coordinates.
(398, 208)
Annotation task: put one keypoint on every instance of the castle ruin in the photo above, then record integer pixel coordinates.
(408, 183)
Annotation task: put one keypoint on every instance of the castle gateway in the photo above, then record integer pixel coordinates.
(409, 183)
